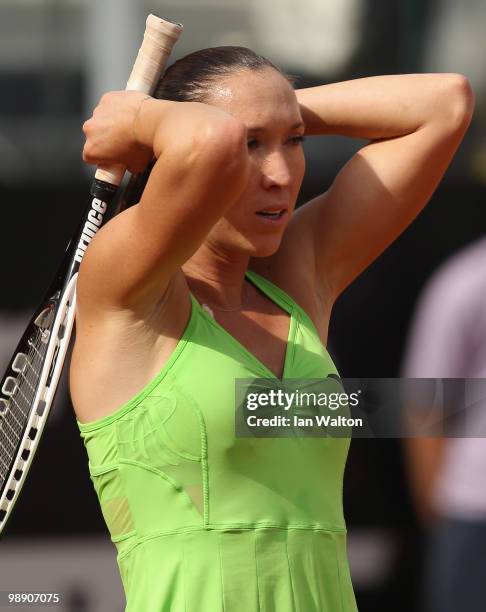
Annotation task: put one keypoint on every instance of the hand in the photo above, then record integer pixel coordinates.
(111, 134)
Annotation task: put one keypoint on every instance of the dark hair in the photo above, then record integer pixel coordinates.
(189, 79)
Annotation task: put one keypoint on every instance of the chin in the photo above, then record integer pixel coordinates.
(265, 248)
(250, 242)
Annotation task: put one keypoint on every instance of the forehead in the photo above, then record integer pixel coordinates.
(257, 97)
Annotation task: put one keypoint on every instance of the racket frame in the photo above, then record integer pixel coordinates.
(159, 38)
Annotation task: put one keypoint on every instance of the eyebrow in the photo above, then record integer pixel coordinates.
(256, 128)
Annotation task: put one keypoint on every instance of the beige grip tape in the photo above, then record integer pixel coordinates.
(159, 38)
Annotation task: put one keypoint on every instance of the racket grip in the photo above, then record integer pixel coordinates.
(159, 38)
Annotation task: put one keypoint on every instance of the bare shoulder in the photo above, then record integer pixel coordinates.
(118, 352)
(292, 268)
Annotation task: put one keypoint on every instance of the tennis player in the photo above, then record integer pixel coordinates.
(213, 276)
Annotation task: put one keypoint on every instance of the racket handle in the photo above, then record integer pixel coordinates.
(159, 38)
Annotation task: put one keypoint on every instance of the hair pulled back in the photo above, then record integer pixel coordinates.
(189, 79)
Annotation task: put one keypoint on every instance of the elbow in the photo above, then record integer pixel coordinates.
(224, 140)
(221, 145)
(459, 102)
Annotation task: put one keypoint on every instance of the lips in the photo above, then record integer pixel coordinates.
(273, 212)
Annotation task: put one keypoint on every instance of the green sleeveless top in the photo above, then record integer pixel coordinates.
(204, 521)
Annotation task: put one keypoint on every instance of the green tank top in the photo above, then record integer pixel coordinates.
(204, 521)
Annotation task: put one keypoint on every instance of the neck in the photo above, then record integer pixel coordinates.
(217, 278)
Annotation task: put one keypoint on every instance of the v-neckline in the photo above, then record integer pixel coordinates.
(252, 356)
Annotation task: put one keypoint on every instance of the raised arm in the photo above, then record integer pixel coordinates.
(415, 123)
(201, 167)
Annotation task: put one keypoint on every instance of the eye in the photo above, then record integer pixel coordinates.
(253, 143)
(297, 140)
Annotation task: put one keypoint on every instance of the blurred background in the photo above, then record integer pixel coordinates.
(56, 58)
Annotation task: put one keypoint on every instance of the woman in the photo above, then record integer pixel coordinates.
(204, 521)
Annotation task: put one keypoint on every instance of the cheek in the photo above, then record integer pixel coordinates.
(251, 188)
(237, 214)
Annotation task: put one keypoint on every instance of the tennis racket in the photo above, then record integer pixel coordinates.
(28, 387)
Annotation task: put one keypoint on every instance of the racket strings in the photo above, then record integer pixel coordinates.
(13, 422)
(14, 425)
(11, 428)
(31, 370)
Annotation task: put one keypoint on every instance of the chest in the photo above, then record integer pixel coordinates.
(265, 336)
(269, 335)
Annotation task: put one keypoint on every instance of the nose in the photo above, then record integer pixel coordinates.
(276, 171)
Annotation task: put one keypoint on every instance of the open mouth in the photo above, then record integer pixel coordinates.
(271, 214)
